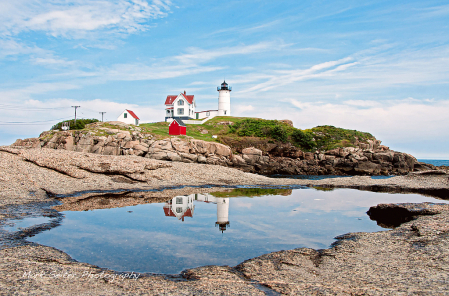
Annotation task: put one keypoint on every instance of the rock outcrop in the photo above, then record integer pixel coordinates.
(369, 158)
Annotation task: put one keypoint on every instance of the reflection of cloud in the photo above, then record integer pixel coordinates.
(237, 203)
(280, 235)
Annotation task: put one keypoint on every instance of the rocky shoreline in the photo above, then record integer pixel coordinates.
(410, 259)
(115, 138)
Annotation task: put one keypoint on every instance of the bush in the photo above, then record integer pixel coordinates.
(303, 139)
(80, 124)
(251, 127)
(324, 137)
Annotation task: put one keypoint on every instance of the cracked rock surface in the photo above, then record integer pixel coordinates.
(412, 259)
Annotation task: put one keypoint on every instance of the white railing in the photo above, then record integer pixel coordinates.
(198, 121)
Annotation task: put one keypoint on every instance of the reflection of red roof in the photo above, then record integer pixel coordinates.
(170, 99)
(188, 213)
(169, 213)
(132, 114)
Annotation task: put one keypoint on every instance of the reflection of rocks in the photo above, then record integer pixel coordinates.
(393, 215)
(95, 201)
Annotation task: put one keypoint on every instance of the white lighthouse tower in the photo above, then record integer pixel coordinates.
(224, 99)
(222, 213)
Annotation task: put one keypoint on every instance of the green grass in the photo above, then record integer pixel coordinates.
(160, 129)
(251, 132)
(329, 137)
(251, 192)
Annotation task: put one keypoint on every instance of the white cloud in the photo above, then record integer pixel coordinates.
(198, 55)
(75, 18)
(362, 103)
(11, 47)
(241, 110)
(24, 93)
(284, 77)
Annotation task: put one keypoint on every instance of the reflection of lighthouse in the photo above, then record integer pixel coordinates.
(222, 213)
(182, 206)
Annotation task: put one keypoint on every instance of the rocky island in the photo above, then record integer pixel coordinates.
(77, 168)
(329, 151)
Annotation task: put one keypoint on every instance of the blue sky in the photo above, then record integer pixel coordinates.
(376, 66)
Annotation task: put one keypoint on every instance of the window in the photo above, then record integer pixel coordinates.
(125, 115)
(207, 113)
(180, 111)
(179, 200)
(224, 112)
(180, 102)
(168, 111)
(178, 210)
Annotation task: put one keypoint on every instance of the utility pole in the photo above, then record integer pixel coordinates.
(76, 107)
(102, 115)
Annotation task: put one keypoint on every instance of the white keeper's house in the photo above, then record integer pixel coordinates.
(183, 106)
(128, 117)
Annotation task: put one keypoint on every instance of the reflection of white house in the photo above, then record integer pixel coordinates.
(128, 117)
(182, 206)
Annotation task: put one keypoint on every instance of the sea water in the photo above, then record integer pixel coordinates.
(436, 162)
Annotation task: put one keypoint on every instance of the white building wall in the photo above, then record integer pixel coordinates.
(202, 115)
(129, 119)
(186, 203)
(224, 103)
(189, 109)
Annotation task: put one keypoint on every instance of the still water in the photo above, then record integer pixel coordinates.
(223, 228)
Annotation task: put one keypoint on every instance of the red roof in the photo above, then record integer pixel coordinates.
(133, 114)
(170, 99)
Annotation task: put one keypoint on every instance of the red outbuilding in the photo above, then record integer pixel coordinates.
(177, 127)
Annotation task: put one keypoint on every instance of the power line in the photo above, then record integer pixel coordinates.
(15, 107)
(30, 122)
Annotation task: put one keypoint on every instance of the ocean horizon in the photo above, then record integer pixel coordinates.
(436, 162)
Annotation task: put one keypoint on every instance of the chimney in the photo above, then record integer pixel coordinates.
(184, 92)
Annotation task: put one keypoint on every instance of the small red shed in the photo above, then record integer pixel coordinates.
(177, 127)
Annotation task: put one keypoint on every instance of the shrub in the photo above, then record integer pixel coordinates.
(251, 127)
(303, 139)
(80, 124)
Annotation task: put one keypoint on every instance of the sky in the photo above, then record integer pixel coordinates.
(375, 66)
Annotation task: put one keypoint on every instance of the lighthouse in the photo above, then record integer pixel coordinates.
(222, 213)
(224, 99)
